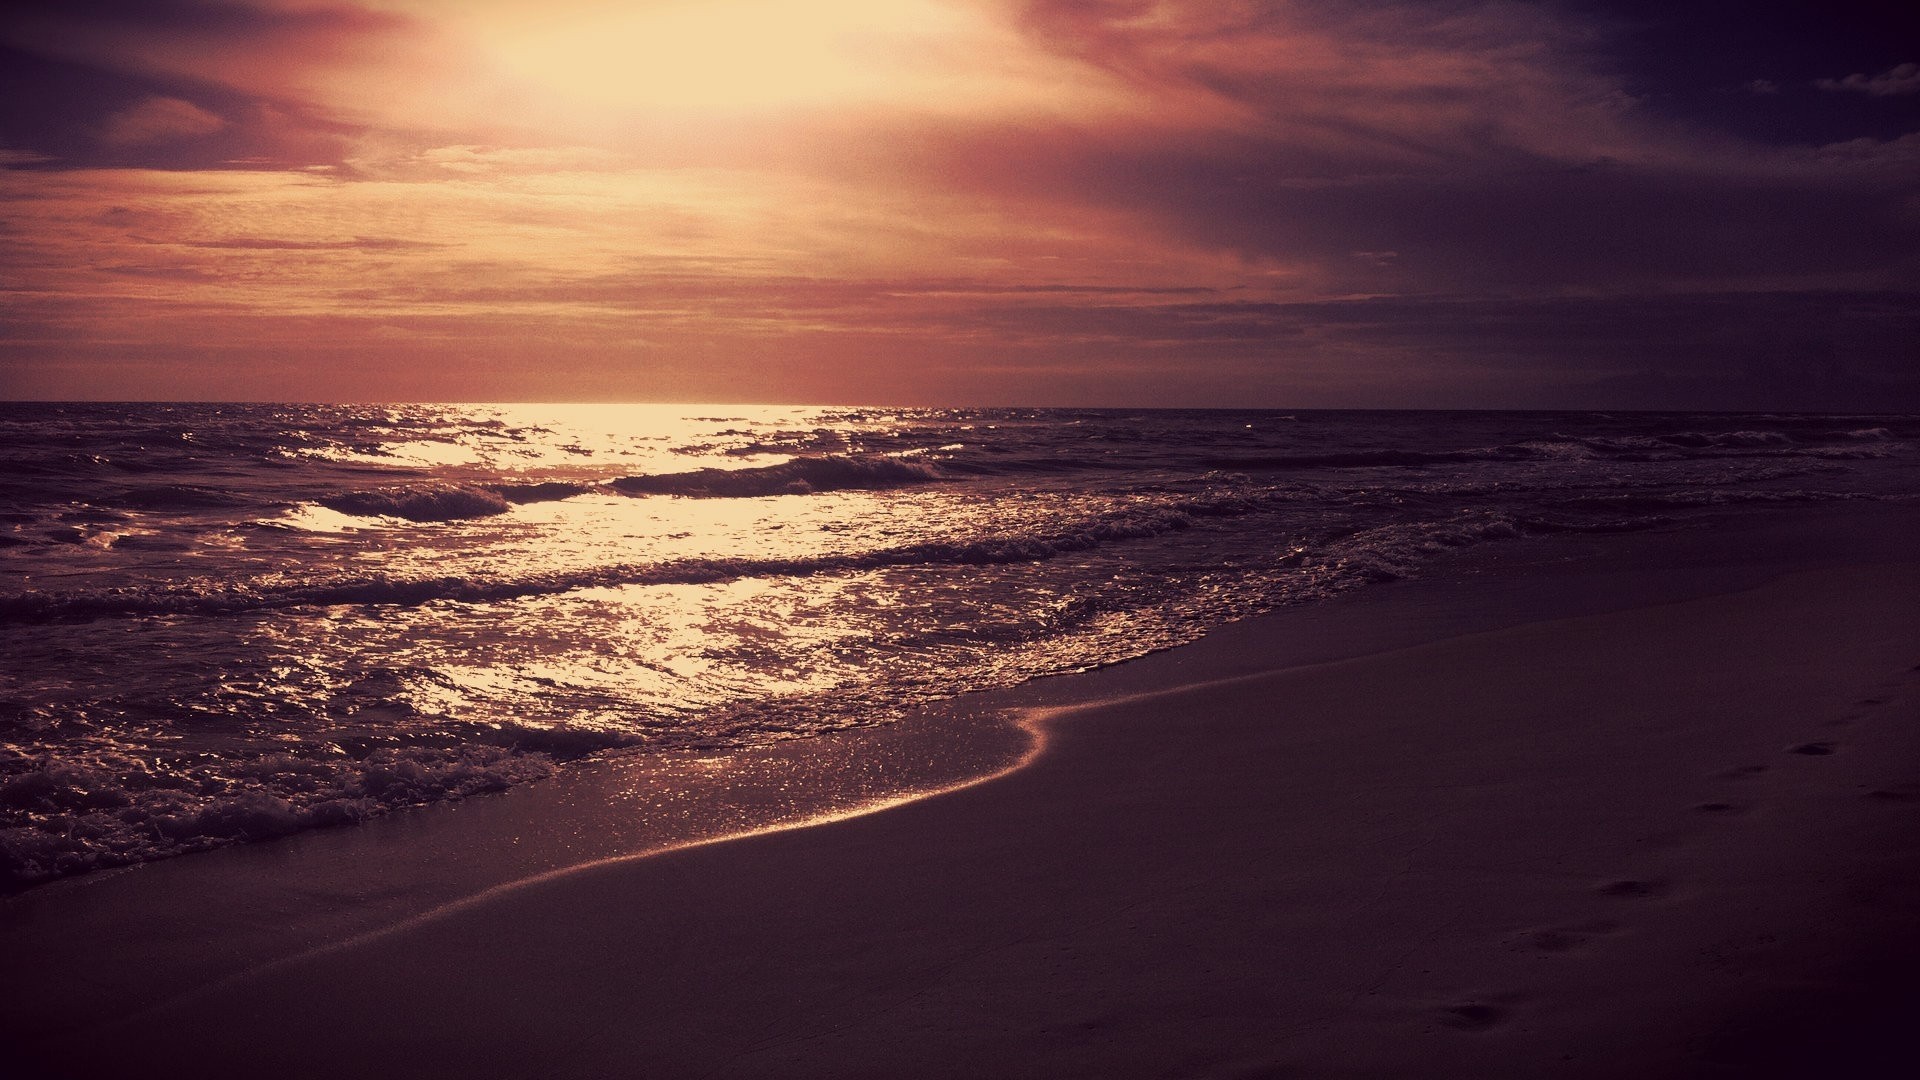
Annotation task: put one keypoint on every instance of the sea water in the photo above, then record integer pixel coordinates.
(230, 622)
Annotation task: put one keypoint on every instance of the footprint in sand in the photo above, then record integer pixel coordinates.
(1905, 793)
(1472, 1015)
(1636, 888)
(1561, 939)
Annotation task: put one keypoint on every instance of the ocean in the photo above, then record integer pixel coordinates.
(229, 622)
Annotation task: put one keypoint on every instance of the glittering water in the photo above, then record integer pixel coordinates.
(225, 622)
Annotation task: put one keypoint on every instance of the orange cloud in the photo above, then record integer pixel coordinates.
(160, 119)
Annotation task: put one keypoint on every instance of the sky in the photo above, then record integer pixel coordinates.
(1286, 203)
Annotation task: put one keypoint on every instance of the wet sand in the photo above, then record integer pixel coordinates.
(1645, 814)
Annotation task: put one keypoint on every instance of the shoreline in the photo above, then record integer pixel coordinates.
(1374, 626)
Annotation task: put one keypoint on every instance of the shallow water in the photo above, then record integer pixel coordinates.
(225, 622)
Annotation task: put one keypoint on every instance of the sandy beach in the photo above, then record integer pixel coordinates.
(959, 540)
(1645, 810)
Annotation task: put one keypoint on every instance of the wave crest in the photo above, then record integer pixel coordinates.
(800, 476)
(437, 503)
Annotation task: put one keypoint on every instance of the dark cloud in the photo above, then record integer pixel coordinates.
(1681, 60)
(1507, 220)
(75, 114)
(136, 31)
(1485, 146)
(175, 84)
(1780, 351)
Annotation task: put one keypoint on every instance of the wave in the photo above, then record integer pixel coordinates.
(1718, 439)
(1130, 523)
(451, 502)
(65, 817)
(120, 810)
(1560, 447)
(431, 503)
(1705, 497)
(797, 477)
(1857, 452)
(165, 497)
(1350, 459)
(545, 491)
(1392, 552)
(1380, 458)
(214, 600)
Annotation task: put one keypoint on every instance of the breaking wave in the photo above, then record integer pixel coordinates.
(800, 476)
(547, 491)
(118, 809)
(432, 503)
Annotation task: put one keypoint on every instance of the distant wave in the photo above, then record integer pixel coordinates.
(165, 497)
(1351, 459)
(1702, 497)
(1533, 450)
(1659, 447)
(1700, 439)
(797, 477)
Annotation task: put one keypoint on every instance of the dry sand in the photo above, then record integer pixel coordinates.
(1547, 823)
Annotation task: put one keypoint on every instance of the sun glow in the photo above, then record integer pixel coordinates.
(740, 55)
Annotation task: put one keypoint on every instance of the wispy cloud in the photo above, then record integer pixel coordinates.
(1897, 80)
(160, 119)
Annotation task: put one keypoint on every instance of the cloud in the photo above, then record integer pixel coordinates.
(83, 115)
(10, 157)
(312, 67)
(1386, 85)
(1340, 202)
(1897, 80)
(1487, 145)
(358, 243)
(160, 119)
